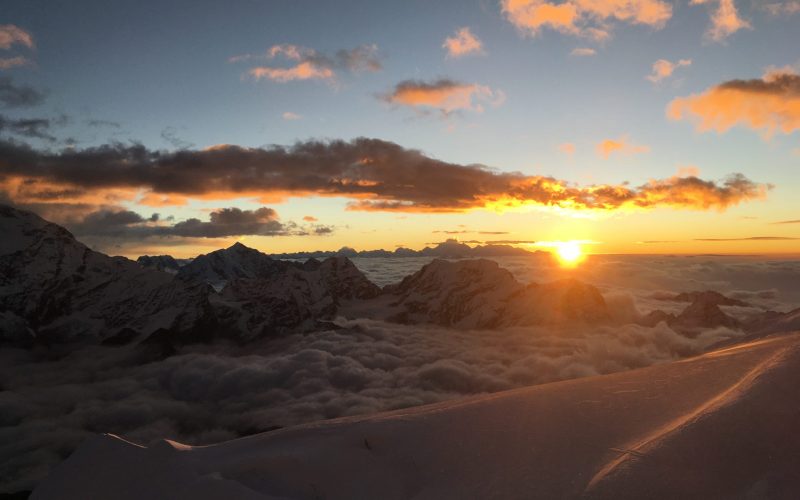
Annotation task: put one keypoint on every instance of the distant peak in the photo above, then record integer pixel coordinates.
(239, 246)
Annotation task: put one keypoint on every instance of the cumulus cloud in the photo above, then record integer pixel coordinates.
(11, 35)
(585, 18)
(663, 69)
(375, 174)
(463, 43)
(725, 19)
(18, 96)
(583, 52)
(769, 104)
(308, 64)
(444, 95)
(620, 146)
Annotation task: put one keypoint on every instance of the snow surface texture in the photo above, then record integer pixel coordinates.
(210, 393)
(717, 426)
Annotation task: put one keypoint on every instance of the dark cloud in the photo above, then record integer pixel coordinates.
(377, 175)
(467, 231)
(510, 242)
(775, 83)
(362, 58)
(170, 135)
(104, 123)
(36, 128)
(18, 96)
(750, 238)
(788, 222)
(222, 223)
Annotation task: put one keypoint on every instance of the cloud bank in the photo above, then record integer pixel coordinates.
(374, 174)
(206, 395)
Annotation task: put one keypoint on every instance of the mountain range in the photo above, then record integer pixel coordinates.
(54, 289)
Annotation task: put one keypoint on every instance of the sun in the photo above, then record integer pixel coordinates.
(569, 253)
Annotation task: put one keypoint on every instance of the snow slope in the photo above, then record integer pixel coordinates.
(721, 425)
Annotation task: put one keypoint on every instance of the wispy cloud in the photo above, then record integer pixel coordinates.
(583, 52)
(18, 96)
(11, 35)
(750, 238)
(463, 43)
(289, 116)
(308, 64)
(619, 146)
(663, 69)
(725, 19)
(14, 62)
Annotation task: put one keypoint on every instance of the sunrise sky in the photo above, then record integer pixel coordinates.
(179, 127)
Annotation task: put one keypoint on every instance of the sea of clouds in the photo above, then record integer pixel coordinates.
(209, 393)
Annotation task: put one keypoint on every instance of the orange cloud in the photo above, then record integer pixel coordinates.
(621, 145)
(446, 96)
(663, 69)
(725, 20)
(310, 64)
(583, 52)
(11, 35)
(567, 148)
(770, 104)
(309, 218)
(302, 71)
(462, 44)
(585, 18)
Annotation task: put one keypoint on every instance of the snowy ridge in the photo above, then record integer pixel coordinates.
(648, 433)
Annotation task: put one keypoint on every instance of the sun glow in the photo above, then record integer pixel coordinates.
(569, 253)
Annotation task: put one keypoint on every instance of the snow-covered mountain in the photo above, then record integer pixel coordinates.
(161, 262)
(480, 294)
(237, 261)
(54, 288)
(290, 295)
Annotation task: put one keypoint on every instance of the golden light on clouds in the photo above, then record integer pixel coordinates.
(769, 104)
